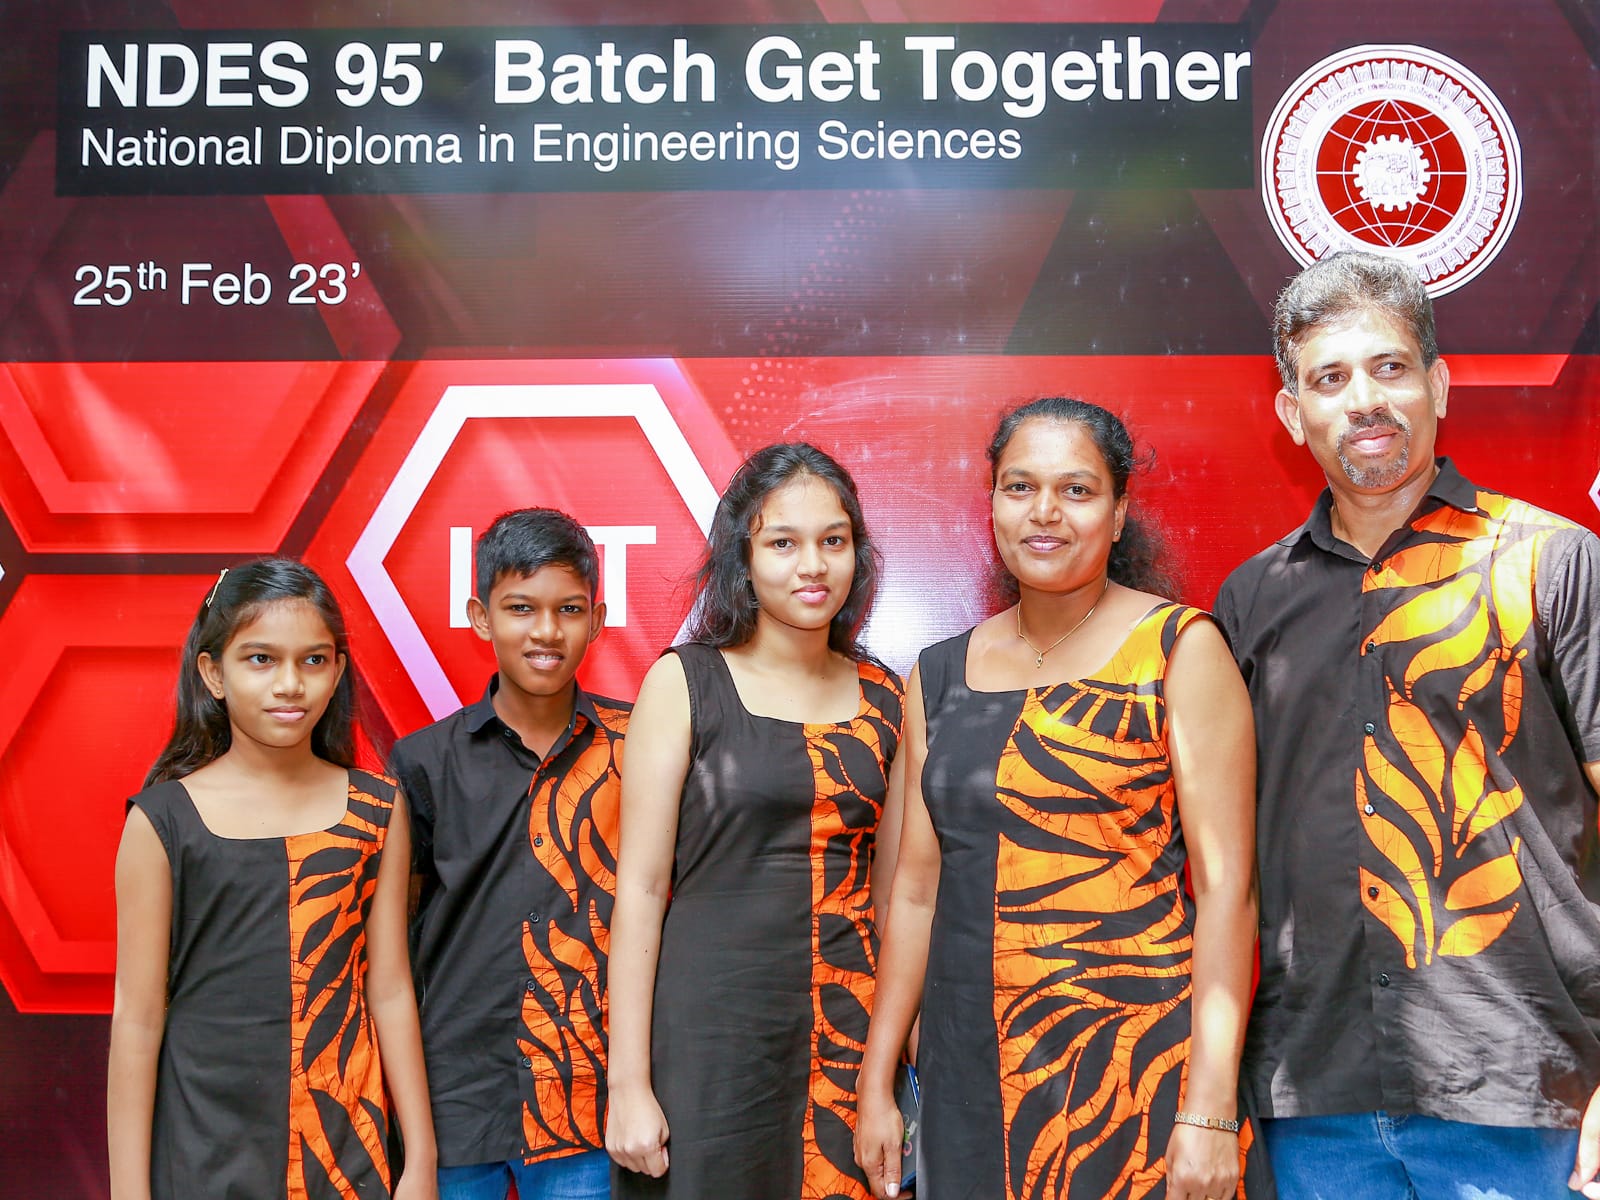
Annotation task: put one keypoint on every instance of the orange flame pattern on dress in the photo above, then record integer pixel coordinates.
(1092, 932)
(849, 765)
(573, 826)
(1449, 882)
(335, 1076)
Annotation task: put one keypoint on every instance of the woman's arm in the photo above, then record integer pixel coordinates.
(1211, 740)
(139, 1010)
(902, 963)
(886, 843)
(656, 764)
(392, 1001)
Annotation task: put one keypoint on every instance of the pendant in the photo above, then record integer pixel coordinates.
(1038, 660)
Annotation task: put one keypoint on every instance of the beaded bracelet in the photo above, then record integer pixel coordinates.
(1221, 1123)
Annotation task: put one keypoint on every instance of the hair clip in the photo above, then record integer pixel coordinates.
(215, 586)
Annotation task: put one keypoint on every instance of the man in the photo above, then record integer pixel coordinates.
(1424, 661)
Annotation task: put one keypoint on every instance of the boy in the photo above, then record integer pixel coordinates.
(515, 803)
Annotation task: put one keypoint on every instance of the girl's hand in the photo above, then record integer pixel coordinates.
(1202, 1164)
(417, 1184)
(880, 1141)
(636, 1132)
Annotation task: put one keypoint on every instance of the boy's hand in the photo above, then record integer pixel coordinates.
(636, 1132)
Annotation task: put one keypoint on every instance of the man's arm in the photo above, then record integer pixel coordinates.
(1588, 1165)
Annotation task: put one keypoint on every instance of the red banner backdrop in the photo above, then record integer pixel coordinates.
(615, 350)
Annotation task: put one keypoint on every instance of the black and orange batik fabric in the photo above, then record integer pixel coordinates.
(515, 860)
(269, 1083)
(573, 822)
(1055, 1029)
(1427, 835)
(1445, 878)
(764, 990)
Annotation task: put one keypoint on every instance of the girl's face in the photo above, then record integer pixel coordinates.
(277, 674)
(1055, 506)
(802, 555)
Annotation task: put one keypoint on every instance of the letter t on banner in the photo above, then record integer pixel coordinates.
(612, 541)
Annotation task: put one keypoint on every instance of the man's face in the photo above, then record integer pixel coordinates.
(1367, 408)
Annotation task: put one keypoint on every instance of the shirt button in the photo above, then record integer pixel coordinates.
(1383, 979)
(532, 985)
(538, 839)
(1370, 727)
(533, 918)
(1369, 810)
(526, 1061)
(1371, 646)
(1371, 891)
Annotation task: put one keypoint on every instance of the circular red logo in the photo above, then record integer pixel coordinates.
(1395, 149)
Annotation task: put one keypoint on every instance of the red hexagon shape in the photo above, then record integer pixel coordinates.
(85, 706)
(629, 447)
(168, 457)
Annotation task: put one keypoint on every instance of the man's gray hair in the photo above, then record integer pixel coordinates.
(1341, 284)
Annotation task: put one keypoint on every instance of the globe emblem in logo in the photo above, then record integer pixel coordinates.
(1395, 149)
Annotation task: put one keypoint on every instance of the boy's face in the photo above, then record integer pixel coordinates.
(540, 626)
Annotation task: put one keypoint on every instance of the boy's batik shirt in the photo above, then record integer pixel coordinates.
(1427, 833)
(516, 862)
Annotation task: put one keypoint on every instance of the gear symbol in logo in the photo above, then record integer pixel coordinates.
(1391, 173)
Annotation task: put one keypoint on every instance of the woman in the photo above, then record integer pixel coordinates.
(1054, 754)
(754, 794)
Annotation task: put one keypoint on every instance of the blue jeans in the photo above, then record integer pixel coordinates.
(1373, 1156)
(585, 1176)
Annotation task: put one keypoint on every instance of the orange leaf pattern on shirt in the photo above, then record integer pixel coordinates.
(573, 824)
(848, 764)
(1449, 882)
(335, 1077)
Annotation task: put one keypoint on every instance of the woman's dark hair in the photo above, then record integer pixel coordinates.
(1139, 559)
(200, 730)
(724, 612)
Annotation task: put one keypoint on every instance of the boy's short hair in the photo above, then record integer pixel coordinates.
(523, 540)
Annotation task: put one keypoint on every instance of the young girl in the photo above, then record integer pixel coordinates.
(754, 794)
(261, 952)
(1065, 761)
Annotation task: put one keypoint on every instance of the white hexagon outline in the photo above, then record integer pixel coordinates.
(459, 404)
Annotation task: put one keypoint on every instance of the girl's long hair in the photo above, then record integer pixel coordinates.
(1139, 559)
(725, 608)
(200, 729)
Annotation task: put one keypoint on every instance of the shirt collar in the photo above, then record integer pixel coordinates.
(481, 714)
(1449, 486)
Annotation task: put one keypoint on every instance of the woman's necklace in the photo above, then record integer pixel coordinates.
(1038, 654)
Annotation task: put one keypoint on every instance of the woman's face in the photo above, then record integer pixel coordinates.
(1055, 508)
(802, 554)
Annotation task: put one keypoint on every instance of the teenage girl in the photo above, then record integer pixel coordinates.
(754, 794)
(261, 941)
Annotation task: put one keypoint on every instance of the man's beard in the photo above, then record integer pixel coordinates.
(1378, 475)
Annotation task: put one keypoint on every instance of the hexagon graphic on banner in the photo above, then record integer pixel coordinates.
(627, 447)
(91, 668)
(168, 457)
